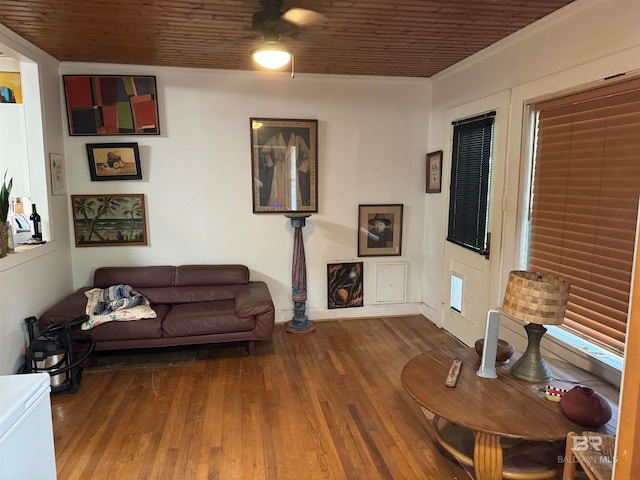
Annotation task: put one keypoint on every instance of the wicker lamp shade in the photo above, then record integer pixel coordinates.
(535, 297)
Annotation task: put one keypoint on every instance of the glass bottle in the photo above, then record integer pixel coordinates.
(36, 223)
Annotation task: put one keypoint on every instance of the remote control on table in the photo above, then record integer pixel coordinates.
(454, 373)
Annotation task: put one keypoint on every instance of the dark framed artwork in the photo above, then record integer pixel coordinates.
(344, 285)
(109, 220)
(379, 230)
(111, 105)
(114, 161)
(434, 172)
(284, 160)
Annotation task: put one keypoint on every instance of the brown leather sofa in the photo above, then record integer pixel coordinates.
(195, 304)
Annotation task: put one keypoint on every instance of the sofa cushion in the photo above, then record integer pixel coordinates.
(140, 312)
(204, 318)
(209, 275)
(196, 293)
(170, 276)
(154, 276)
(138, 329)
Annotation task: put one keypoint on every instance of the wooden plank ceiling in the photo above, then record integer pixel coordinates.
(410, 38)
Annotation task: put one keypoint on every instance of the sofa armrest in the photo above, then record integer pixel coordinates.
(253, 299)
(66, 309)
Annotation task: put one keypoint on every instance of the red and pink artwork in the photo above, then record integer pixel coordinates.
(111, 105)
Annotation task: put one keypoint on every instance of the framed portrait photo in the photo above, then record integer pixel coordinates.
(109, 220)
(434, 172)
(114, 161)
(284, 165)
(380, 230)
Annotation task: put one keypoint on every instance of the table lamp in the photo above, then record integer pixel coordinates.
(537, 299)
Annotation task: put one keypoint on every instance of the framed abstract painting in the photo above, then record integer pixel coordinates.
(111, 105)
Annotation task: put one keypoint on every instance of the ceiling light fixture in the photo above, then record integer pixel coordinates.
(272, 55)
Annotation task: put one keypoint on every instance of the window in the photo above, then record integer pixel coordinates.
(584, 204)
(455, 297)
(471, 182)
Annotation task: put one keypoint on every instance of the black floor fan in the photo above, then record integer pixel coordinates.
(60, 350)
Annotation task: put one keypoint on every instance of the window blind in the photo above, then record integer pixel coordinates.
(585, 188)
(470, 181)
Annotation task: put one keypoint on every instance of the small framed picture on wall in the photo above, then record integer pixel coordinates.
(380, 230)
(434, 172)
(58, 182)
(109, 220)
(114, 161)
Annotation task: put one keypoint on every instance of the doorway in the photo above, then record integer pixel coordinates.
(471, 279)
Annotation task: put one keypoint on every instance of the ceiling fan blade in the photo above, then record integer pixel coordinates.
(301, 17)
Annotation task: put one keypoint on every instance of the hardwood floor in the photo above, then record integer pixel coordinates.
(325, 405)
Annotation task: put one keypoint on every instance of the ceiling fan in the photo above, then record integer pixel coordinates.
(272, 24)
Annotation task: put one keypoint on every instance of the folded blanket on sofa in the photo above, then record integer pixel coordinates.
(116, 303)
(117, 297)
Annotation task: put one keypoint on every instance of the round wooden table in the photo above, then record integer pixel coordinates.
(498, 411)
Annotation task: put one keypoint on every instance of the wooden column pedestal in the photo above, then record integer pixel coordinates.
(299, 323)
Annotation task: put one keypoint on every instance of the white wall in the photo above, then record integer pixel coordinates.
(585, 41)
(197, 176)
(32, 281)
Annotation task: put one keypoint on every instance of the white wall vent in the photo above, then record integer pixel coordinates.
(391, 282)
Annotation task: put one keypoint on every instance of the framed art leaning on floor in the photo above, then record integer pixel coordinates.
(344, 285)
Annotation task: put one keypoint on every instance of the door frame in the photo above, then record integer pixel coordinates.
(501, 103)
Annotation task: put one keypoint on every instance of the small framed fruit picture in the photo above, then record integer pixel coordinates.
(114, 161)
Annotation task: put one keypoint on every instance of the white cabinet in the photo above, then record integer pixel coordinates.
(26, 430)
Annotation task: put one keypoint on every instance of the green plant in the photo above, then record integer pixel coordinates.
(4, 197)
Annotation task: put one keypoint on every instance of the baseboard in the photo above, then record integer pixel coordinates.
(381, 310)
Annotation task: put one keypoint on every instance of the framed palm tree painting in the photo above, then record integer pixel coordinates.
(109, 220)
